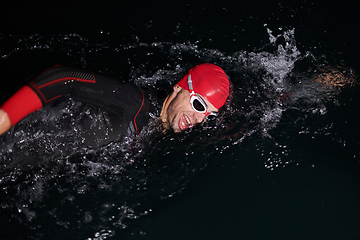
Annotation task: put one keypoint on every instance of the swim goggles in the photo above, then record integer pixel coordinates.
(197, 103)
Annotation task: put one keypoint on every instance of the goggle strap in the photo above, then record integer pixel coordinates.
(190, 83)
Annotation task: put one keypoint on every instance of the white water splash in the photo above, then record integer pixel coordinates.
(280, 63)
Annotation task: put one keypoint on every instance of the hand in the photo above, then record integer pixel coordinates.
(336, 76)
(5, 123)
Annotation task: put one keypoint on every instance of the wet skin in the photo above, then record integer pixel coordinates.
(178, 112)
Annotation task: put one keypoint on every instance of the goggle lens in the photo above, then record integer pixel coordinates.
(198, 106)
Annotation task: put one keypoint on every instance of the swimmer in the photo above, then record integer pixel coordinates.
(198, 95)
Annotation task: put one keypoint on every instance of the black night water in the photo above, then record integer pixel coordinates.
(280, 162)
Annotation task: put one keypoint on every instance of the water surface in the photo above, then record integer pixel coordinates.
(282, 162)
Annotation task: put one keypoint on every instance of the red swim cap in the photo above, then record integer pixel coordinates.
(210, 81)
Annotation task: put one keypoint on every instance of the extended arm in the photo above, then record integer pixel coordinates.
(49, 85)
(122, 100)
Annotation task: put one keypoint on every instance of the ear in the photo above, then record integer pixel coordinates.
(177, 88)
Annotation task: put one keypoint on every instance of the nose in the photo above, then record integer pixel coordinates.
(199, 117)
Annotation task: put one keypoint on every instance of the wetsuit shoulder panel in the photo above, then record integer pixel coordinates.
(124, 103)
(62, 73)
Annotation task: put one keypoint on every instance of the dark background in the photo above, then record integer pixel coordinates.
(214, 23)
(299, 203)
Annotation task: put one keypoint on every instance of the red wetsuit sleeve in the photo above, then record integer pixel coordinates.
(52, 83)
(21, 104)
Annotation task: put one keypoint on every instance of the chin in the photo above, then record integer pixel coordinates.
(176, 129)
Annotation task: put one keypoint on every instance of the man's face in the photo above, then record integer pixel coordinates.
(180, 113)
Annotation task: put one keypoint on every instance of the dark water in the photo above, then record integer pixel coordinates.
(281, 163)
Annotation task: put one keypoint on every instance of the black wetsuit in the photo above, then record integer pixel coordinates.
(125, 107)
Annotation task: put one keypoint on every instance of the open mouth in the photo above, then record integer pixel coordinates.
(184, 122)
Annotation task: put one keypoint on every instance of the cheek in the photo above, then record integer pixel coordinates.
(172, 111)
(180, 103)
